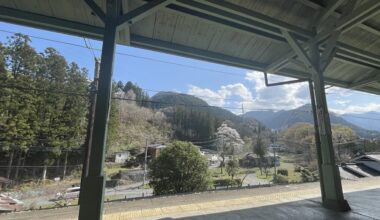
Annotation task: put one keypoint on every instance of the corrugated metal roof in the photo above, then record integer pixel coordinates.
(243, 33)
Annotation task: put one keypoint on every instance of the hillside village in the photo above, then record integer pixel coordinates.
(238, 150)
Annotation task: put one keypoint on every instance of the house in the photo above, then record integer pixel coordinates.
(121, 157)
(154, 150)
(252, 160)
(211, 155)
(366, 165)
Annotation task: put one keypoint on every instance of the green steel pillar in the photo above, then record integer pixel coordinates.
(92, 191)
(330, 179)
(317, 138)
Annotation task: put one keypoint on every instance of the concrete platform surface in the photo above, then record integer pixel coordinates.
(298, 201)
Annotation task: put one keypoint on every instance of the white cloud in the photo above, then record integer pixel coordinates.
(211, 97)
(231, 95)
(288, 96)
(342, 102)
(260, 97)
(339, 92)
(358, 108)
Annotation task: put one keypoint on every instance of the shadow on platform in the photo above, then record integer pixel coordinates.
(364, 205)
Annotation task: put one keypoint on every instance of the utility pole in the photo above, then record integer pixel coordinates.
(65, 164)
(274, 153)
(145, 160)
(242, 112)
(90, 121)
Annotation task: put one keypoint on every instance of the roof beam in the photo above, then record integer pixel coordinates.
(236, 21)
(330, 9)
(329, 51)
(259, 17)
(315, 5)
(223, 15)
(370, 29)
(375, 76)
(362, 13)
(96, 9)
(347, 22)
(181, 50)
(143, 11)
(301, 53)
(50, 23)
(256, 29)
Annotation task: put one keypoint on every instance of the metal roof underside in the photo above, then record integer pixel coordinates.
(241, 33)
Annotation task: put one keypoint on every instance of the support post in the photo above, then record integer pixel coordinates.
(92, 191)
(90, 125)
(145, 161)
(330, 180)
(317, 139)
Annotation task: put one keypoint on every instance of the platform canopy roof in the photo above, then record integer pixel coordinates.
(241, 33)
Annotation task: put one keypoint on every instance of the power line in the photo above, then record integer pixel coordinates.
(90, 48)
(131, 55)
(170, 103)
(136, 56)
(36, 166)
(232, 108)
(44, 90)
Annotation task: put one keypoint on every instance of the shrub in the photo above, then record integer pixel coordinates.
(308, 176)
(297, 169)
(227, 182)
(131, 163)
(280, 179)
(232, 168)
(283, 172)
(179, 168)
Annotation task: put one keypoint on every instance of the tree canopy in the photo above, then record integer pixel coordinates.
(229, 141)
(40, 109)
(179, 168)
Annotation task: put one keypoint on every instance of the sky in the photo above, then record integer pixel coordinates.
(236, 89)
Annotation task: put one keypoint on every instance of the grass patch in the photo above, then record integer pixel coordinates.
(112, 170)
(215, 174)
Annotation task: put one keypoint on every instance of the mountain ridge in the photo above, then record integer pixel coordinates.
(285, 118)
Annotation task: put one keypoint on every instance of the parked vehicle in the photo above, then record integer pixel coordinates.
(69, 193)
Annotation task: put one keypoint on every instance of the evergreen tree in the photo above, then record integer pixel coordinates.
(19, 111)
(141, 96)
(113, 121)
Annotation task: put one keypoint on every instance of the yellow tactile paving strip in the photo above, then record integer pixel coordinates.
(251, 201)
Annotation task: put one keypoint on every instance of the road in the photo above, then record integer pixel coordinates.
(126, 191)
(252, 180)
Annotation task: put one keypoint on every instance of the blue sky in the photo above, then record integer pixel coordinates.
(219, 85)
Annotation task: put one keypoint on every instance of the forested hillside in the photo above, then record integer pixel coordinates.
(43, 105)
(132, 125)
(193, 119)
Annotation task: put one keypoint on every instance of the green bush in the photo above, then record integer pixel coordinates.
(308, 176)
(280, 179)
(283, 172)
(297, 169)
(227, 182)
(179, 168)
